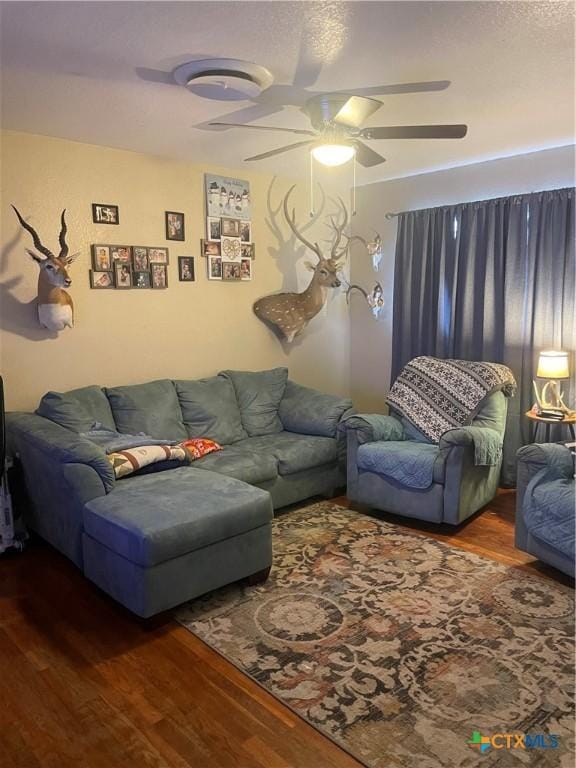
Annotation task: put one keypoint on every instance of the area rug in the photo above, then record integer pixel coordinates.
(405, 651)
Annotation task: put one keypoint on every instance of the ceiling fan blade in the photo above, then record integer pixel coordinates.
(278, 151)
(383, 90)
(155, 76)
(366, 156)
(415, 132)
(309, 64)
(356, 111)
(300, 131)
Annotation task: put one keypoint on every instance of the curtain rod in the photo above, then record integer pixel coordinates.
(393, 215)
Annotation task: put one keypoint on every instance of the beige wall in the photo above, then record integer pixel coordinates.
(371, 341)
(120, 337)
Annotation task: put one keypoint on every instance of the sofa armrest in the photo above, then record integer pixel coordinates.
(56, 445)
(485, 442)
(309, 412)
(536, 463)
(556, 459)
(372, 427)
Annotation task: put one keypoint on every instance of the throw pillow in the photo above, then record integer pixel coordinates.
(134, 459)
(78, 409)
(210, 409)
(152, 408)
(200, 446)
(259, 394)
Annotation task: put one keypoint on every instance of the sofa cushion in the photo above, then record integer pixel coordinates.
(253, 468)
(309, 412)
(409, 462)
(293, 452)
(151, 408)
(78, 409)
(550, 514)
(210, 409)
(259, 394)
(155, 518)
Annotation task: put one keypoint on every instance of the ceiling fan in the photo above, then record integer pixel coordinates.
(337, 134)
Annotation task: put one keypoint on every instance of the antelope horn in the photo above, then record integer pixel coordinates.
(339, 229)
(37, 244)
(62, 237)
(292, 224)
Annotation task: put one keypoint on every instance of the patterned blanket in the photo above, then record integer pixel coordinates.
(438, 395)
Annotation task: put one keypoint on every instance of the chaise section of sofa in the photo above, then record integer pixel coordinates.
(154, 540)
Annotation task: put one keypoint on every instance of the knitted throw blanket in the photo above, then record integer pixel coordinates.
(438, 395)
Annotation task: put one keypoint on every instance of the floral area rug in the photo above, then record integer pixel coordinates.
(405, 651)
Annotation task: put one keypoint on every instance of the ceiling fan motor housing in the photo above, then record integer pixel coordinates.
(223, 79)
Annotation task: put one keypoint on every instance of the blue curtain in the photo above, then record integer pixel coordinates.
(492, 280)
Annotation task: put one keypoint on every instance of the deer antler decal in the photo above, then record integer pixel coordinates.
(55, 307)
(290, 313)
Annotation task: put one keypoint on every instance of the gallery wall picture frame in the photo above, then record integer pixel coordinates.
(186, 269)
(226, 196)
(101, 280)
(230, 227)
(246, 269)
(213, 228)
(159, 276)
(141, 280)
(248, 251)
(122, 275)
(211, 248)
(174, 222)
(230, 270)
(246, 231)
(231, 248)
(158, 256)
(104, 213)
(140, 262)
(122, 253)
(101, 258)
(214, 267)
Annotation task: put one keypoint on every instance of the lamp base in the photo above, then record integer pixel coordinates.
(551, 397)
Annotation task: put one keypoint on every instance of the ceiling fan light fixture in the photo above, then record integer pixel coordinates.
(333, 153)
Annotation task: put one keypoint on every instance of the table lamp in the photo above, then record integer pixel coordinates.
(552, 365)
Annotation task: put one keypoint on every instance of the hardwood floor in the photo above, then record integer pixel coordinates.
(83, 683)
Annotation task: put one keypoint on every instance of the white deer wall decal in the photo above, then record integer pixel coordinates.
(291, 312)
(55, 307)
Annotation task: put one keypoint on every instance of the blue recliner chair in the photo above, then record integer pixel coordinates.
(393, 467)
(546, 504)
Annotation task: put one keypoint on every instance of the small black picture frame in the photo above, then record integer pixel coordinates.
(174, 225)
(101, 258)
(159, 276)
(141, 280)
(186, 269)
(101, 279)
(103, 213)
(122, 275)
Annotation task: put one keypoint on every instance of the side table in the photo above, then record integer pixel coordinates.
(569, 421)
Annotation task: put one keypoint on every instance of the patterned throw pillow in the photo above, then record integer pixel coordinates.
(200, 446)
(133, 459)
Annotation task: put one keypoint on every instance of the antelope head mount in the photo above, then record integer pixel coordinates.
(290, 313)
(55, 307)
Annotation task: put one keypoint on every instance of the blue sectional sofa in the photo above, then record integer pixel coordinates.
(546, 504)
(154, 540)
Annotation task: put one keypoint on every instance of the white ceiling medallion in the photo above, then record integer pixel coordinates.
(223, 79)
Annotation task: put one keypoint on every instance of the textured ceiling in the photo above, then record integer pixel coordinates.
(70, 70)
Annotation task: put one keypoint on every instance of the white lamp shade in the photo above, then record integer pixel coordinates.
(553, 365)
(333, 154)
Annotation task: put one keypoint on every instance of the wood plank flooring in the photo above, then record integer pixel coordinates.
(85, 684)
